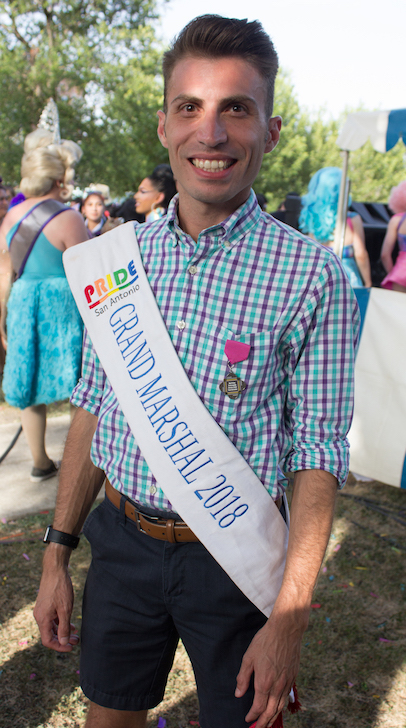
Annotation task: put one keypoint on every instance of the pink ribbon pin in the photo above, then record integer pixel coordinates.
(236, 351)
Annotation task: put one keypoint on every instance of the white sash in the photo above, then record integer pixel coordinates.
(201, 472)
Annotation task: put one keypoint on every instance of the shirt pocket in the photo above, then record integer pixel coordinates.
(209, 362)
(256, 371)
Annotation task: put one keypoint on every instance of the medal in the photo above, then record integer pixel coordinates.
(232, 385)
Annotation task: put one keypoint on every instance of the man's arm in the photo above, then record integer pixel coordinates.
(79, 484)
(318, 414)
(274, 653)
(360, 251)
(389, 243)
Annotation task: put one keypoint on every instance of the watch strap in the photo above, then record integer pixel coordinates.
(66, 539)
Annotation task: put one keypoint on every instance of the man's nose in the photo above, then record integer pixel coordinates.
(212, 129)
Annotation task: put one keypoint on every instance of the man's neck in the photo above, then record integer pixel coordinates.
(193, 218)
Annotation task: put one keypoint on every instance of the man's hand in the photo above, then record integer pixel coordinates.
(54, 606)
(273, 656)
(79, 484)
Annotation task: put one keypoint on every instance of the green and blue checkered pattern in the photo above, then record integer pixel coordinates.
(254, 280)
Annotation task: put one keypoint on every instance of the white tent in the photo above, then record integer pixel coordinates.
(378, 432)
(382, 128)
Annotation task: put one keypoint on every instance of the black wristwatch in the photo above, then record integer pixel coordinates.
(66, 539)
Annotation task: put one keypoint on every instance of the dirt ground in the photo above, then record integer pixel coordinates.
(353, 670)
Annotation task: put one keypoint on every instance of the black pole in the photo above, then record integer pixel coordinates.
(12, 443)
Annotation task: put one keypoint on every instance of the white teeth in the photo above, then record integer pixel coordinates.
(211, 165)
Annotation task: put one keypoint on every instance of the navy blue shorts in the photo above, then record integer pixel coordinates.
(141, 595)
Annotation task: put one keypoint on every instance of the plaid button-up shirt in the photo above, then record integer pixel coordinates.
(254, 280)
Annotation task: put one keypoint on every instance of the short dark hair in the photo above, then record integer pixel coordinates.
(163, 181)
(212, 36)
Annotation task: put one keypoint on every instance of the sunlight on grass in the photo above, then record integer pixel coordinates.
(391, 713)
(353, 672)
(339, 532)
(180, 701)
(18, 633)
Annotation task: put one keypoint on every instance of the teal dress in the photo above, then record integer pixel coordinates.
(44, 331)
(348, 259)
(351, 268)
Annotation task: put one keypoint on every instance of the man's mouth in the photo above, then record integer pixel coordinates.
(212, 165)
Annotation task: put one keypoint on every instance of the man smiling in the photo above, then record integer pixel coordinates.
(216, 128)
(262, 322)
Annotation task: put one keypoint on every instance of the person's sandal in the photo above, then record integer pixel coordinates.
(38, 475)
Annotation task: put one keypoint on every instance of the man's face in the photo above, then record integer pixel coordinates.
(147, 197)
(216, 130)
(93, 208)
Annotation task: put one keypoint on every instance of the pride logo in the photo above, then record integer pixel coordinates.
(110, 284)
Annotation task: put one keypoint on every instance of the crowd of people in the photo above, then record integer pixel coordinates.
(256, 386)
(43, 330)
(36, 348)
(43, 327)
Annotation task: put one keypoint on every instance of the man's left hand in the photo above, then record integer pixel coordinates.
(273, 656)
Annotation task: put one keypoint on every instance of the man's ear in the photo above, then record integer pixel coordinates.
(274, 128)
(161, 128)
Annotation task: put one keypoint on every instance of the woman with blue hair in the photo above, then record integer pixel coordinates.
(318, 219)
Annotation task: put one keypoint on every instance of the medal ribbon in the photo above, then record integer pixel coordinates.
(236, 351)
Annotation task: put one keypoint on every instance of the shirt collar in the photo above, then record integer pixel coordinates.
(227, 233)
(98, 226)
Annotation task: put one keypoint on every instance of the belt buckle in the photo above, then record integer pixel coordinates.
(138, 522)
(152, 519)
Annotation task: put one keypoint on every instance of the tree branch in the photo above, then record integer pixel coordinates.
(15, 31)
(48, 14)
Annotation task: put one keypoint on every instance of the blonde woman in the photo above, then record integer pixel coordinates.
(44, 329)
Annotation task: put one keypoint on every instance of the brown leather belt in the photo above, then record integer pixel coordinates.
(160, 528)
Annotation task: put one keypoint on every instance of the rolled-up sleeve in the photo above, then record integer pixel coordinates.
(89, 390)
(319, 403)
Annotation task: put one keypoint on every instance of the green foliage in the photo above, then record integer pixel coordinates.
(134, 93)
(373, 174)
(307, 145)
(97, 59)
(100, 61)
(284, 169)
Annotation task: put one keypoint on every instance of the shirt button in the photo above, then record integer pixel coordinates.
(193, 270)
(227, 244)
(181, 325)
(152, 489)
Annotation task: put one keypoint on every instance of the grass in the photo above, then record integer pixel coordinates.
(353, 670)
